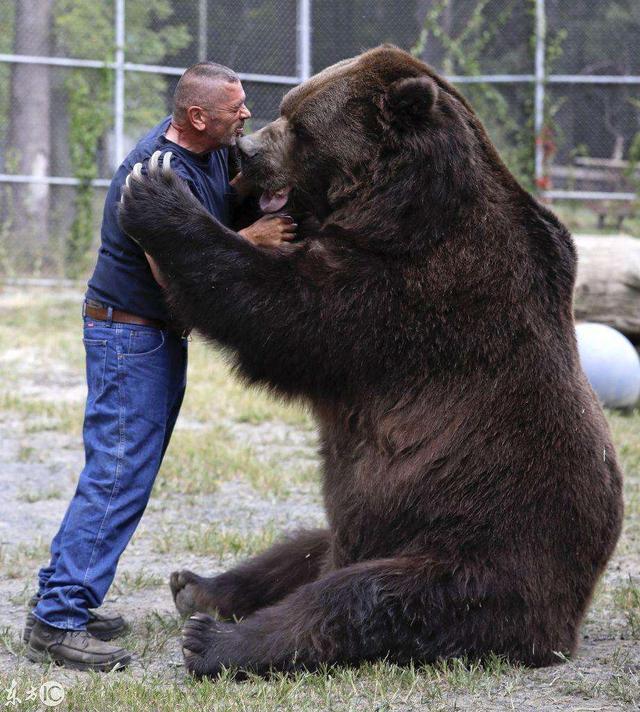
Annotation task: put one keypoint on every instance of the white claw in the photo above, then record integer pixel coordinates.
(166, 162)
(127, 183)
(137, 171)
(153, 162)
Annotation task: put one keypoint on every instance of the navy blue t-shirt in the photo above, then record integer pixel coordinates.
(122, 278)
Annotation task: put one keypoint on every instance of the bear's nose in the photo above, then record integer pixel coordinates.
(248, 146)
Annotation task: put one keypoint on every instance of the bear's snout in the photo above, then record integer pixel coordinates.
(248, 146)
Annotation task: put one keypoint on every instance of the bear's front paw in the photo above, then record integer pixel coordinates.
(149, 201)
(192, 593)
(208, 645)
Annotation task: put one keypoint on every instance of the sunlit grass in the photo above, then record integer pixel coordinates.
(17, 560)
(214, 392)
(374, 686)
(127, 582)
(626, 436)
(627, 598)
(214, 540)
(198, 461)
(38, 495)
(40, 415)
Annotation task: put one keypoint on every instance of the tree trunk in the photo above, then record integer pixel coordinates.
(29, 135)
(608, 283)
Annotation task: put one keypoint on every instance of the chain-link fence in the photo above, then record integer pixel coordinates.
(557, 83)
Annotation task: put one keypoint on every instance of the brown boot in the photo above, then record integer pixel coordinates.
(75, 649)
(104, 626)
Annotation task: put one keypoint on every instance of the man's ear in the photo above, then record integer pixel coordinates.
(196, 118)
(409, 102)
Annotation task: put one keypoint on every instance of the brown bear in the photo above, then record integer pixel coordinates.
(425, 314)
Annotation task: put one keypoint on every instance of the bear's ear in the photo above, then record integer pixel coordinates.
(410, 101)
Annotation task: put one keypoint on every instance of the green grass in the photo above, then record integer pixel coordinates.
(41, 415)
(16, 560)
(127, 582)
(32, 496)
(626, 436)
(212, 394)
(214, 540)
(377, 686)
(198, 461)
(626, 597)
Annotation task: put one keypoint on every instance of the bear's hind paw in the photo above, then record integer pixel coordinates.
(204, 641)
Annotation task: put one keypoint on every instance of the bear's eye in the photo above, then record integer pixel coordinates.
(300, 131)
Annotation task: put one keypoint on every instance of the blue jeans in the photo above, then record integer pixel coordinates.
(136, 377)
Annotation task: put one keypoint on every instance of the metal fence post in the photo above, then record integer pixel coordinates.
(118, 99)
(303, 40)
(202, 30)
(541, 29)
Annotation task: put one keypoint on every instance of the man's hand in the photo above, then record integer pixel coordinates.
(270, 230)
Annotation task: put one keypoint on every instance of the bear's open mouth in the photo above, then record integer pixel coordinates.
(272, 201)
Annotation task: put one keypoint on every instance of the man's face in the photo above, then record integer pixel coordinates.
(224, 118)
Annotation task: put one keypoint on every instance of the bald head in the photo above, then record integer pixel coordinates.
(209, 108)
(201, 85)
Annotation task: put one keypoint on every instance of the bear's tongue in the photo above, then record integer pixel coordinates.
(272, 202)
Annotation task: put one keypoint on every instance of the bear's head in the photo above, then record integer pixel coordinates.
(381, 131)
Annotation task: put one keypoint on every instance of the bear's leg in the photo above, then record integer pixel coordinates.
(258, 582)
(393, 609)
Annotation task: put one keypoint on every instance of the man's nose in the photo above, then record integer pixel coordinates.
(248, 146)
(245, 113)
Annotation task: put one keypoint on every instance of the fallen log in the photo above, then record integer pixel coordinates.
(608, 282)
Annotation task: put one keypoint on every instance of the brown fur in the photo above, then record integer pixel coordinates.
(470, 483)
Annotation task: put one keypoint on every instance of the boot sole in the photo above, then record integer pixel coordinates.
(43, 656)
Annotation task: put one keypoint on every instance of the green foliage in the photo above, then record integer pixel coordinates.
(152, 35)
(7, 13)
(89, 117)
(465, 52)
(597, 40)
(634, 150)
(631, 172)
(85, 29)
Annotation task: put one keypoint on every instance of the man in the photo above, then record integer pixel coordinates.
(136, 375)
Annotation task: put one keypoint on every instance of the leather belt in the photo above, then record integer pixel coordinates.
(121, 317)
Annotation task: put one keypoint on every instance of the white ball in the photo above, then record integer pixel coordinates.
(611, 364)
